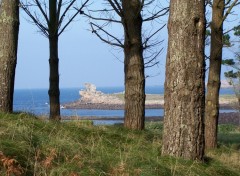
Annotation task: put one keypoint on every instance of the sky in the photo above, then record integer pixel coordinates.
(82, 58)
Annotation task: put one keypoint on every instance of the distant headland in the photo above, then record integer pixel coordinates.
(91, 98)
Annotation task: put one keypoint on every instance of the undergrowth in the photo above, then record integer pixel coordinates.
(34, 147)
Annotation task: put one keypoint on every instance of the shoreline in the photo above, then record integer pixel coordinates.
(224, 118)
(153, 101)
(103, 106)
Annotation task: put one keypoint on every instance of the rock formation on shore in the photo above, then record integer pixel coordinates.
(90, 98)
(90, 95)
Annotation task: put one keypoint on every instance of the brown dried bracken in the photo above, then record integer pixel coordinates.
(47, 163)
(11, 165)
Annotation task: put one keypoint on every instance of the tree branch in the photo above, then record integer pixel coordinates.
(64, 13)
(35, 20)
(157, 15)
(102, 19)
(119, 43)
(147, 39)
(117, 8)
(42, 11)
(59, 9)
(72, 18)
(228, 11)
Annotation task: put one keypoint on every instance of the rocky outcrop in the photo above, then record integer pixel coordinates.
(90, 95)
(90, 98)
(93, 99)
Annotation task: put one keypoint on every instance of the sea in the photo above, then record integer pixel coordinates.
(36, 101)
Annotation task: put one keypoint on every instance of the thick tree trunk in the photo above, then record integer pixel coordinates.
(133, 66)
(213, 86)
(184, 84)
(54, 92)
(9, 27)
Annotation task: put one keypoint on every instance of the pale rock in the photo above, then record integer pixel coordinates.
(91, 95)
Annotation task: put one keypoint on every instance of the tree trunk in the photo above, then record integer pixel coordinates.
(213, 86)
(184, 84)
(9, 27)
(133, 66)
(54, 92)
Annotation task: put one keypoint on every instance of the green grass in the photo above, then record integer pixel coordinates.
(30, 146)
(229, 135)
(148, 96)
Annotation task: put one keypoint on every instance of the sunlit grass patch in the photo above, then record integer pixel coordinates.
(40, 147)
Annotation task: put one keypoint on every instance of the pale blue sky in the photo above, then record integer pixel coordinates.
(82, 58)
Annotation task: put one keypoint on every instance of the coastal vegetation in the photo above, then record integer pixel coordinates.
(31, 146)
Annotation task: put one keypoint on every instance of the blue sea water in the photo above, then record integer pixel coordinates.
(36, 101)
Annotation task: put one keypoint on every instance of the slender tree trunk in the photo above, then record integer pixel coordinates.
(213, 86)
(133, 66)
(54, 92)
(9, 27)
(184, 84)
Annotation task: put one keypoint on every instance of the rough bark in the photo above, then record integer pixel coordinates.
(213, 86)
(9, 27)
(133, 65)
(184, 84)
(54, 92)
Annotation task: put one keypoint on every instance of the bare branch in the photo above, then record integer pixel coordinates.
(229, 10)
(160, 13)
(72, 18)
(101, 10)
(42, 11)
(150, 2)
(228, 31)
(153, 44)
(119, 43)
(151, 60)
(148, 66)
(35, 20)
(227, 2)
(59, 9)
(64, 13)
(117, 57)
(147, 39)
(147, 45)
(102, 19)
(117, 8)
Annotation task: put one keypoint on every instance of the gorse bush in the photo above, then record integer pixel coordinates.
(30, 146)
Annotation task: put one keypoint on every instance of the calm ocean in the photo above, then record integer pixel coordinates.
(36, 101)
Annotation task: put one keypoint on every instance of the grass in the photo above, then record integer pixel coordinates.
(148, 96)
(225, 97)
(31, 146)
(229, 135)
